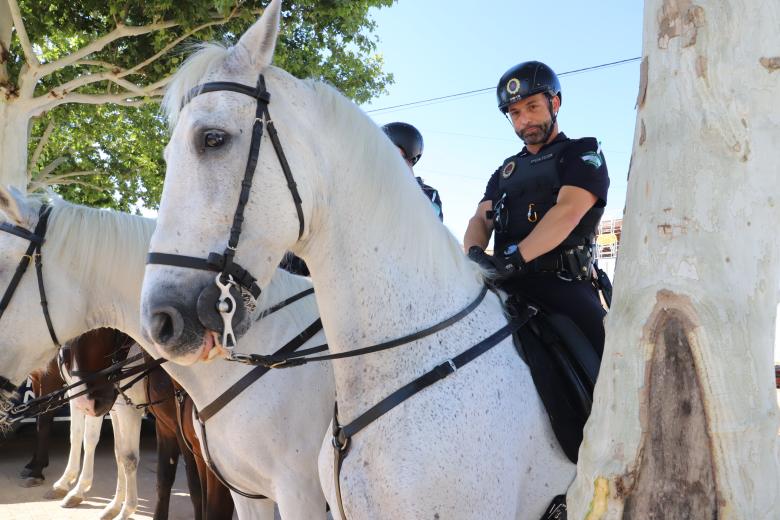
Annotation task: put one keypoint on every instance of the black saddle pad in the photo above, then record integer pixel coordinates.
(564, 367)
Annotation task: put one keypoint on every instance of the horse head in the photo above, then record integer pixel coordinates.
(86, 356)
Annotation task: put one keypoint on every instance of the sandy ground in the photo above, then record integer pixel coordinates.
(18, 503)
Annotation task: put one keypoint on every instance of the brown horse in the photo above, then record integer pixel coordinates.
(89, 353)
(211, 499)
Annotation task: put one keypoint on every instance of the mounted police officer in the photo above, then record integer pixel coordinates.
(409, 141)
(544, 205)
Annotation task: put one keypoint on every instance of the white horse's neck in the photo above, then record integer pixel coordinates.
(398, 271)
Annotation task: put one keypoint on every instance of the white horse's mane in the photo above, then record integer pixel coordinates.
(377, 167)
(383, 175)
(100, 244)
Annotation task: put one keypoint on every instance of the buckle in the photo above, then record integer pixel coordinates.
(340, 441)
(445, 369)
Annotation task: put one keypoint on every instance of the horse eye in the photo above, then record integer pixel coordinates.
(213, 138)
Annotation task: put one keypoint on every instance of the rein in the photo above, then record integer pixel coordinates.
(114, 373)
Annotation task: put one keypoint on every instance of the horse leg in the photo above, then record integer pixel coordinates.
(113, 507)
(194, 483)
(219, 502)
(92, 427)
(301, 500)
(32, 474)
(62, 486)
(131, 437)
(167, 460)
(253, 508)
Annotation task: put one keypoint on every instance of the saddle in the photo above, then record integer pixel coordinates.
(564, 367)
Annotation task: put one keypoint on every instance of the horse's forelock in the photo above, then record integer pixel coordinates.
(204, 59)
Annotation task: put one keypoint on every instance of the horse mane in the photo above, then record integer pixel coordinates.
(205, 57)
(383, 175)
(99, 244)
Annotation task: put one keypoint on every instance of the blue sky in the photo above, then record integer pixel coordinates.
(437, 47)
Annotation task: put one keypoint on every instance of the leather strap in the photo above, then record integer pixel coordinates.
(241, 385)
(256, 373)
(343, 434)
(210, 463)
(275, 361)
(284, 303)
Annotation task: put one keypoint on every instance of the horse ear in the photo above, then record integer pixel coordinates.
(14, 204)
(258, 43)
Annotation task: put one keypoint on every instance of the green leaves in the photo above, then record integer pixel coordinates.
(327, 39)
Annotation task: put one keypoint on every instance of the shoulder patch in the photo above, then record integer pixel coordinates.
(592, 158)
(508, 169)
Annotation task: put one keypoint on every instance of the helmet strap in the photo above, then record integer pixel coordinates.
(553, 117)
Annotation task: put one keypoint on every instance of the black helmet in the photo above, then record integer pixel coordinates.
(524, 80)
(407, 138)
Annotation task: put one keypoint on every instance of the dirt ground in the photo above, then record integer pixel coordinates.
(19, 503)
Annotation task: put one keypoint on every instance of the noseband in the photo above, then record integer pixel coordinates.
(231, 274)
(36, 239)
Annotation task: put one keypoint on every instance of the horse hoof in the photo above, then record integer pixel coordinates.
(108, 513)
(55, 493)
(29, 482)
(30, 473)
(71, 501)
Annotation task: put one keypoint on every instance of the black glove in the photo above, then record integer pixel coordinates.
(478, 255)
(513, 263)
(504, 266)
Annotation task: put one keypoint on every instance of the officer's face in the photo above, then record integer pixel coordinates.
(408, 162)
(531, 118)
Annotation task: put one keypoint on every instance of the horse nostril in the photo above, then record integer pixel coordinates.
(167, 325)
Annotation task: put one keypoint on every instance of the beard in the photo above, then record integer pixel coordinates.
(536, 134)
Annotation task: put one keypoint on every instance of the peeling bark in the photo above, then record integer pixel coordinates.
(676, 466)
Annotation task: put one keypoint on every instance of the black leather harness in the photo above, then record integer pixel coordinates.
(36, 239)
(231, 273)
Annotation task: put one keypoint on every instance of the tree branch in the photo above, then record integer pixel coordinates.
(51, 167)
(39, 148)
(124, 99)
(121, 31)
(178, 40)
(42, 184)
(105, 64)
(21, 33)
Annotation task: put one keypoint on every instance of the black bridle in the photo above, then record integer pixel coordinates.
(231, 274)
(36, 239)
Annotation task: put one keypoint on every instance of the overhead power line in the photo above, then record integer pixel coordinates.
(477, 91)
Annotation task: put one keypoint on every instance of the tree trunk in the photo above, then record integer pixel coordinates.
(685, 418)
(14, 124)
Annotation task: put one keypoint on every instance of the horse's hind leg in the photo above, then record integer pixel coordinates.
(60, 488)
(92, 427)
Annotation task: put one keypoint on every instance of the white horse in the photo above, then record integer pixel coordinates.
(477, 444)
(85, 429)
(266, 440)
